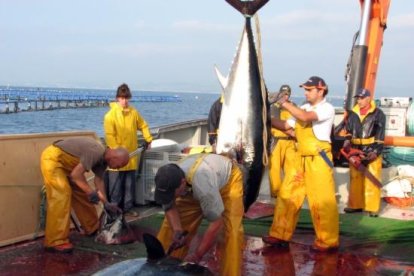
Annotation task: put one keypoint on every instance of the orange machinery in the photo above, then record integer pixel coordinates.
(363, 63)
(365, 55)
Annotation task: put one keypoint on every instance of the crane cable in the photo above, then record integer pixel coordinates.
(265, 158)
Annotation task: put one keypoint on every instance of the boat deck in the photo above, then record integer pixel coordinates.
(369, 246)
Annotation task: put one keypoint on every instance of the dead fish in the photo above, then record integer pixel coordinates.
(114, 230)
(244, 117)
(157, 263)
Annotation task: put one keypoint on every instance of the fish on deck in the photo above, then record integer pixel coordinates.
(157, 263)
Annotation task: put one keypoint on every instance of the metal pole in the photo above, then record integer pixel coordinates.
(363, 30)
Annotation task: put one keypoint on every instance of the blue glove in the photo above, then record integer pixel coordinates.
(93, 197)
(212, 139)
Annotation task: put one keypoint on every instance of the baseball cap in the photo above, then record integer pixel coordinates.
(314, 81)
(167, 179)
(362, 93)
(285, 88)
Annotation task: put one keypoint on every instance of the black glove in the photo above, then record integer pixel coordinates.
(179, 240)
(371, 156)
(278, 98)
(212, 139)
(93, 197)
(347, 146)
(112, 208)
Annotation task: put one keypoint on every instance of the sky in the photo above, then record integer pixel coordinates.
(165, 45)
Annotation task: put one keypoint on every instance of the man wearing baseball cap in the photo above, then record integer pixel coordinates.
(313, 174)
(366, 131)
(202, 186)
(283, 144)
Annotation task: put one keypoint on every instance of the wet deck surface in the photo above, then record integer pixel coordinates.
(29, 258)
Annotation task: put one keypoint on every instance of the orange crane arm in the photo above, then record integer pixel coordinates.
(376, 27)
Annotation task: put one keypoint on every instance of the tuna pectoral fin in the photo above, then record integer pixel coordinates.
(222, 79)
(155, 251)
(247, 7)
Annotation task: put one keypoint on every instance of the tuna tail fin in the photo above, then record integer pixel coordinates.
(155, 251)
(247, 8)
(222, 79)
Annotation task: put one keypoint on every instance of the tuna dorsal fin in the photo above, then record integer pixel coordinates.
(247, 8)
(155, 251)
(222, 79)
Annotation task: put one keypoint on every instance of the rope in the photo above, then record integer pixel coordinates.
(265, 158)
(400, 156)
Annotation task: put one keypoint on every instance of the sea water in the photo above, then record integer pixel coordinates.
(191, 106)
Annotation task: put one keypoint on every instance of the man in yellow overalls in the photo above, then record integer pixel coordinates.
(201, 186)
(63, 166)
(366, 128)
(312, 123)
(283, 153)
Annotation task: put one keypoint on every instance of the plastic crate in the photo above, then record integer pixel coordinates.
(153, 160)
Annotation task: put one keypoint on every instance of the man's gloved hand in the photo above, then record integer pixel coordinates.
(179, 240)
(112, 208)
(371, 156)
(347, 146)
(212, 139)
(93, 197)
(278, 98)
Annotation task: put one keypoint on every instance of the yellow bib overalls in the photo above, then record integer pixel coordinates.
(313, 178)
(191, 216)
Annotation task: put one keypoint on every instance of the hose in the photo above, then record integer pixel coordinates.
(403, 155)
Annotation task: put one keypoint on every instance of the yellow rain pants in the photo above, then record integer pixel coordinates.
(282, 156)
(191, 216)
(313, 178)
(363, 194)
(56, 166)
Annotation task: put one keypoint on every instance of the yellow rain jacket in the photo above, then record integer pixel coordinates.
(121, 126)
